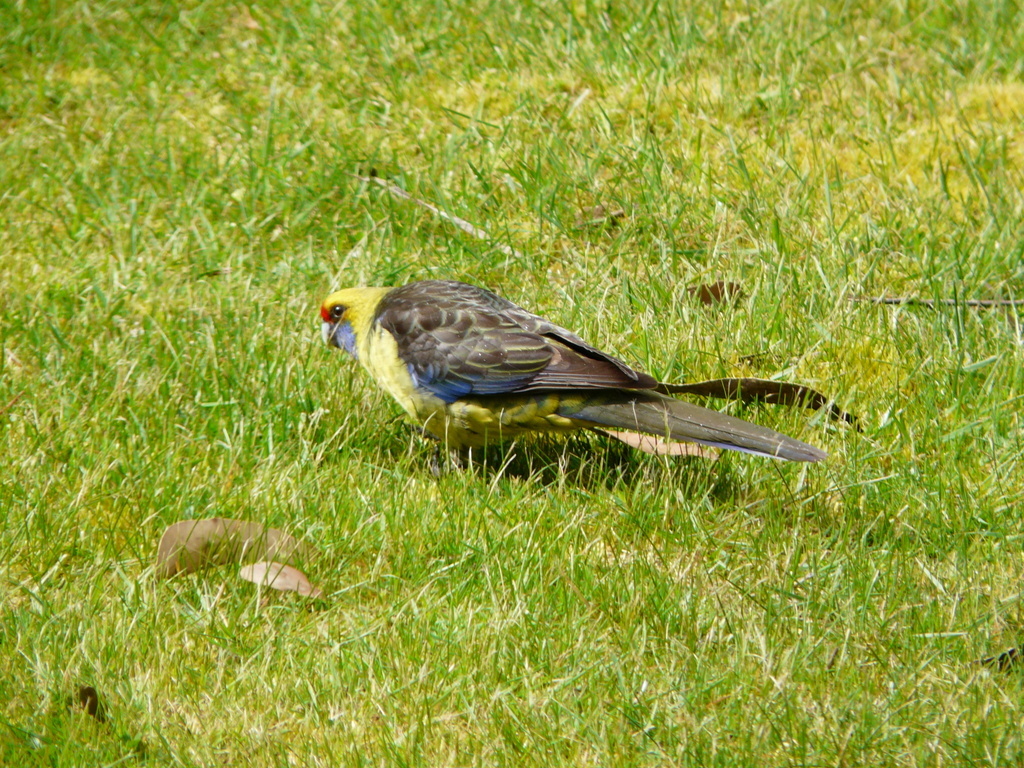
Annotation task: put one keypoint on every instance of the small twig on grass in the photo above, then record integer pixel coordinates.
(10, 403)
(1004, 661)
(462, 224)
(750, 390)
(910, 300)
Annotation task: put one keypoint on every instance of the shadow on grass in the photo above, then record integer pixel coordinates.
(581, 460)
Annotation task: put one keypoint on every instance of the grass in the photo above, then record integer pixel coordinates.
(178, 191)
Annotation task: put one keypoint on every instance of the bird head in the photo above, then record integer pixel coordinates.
(347, 316)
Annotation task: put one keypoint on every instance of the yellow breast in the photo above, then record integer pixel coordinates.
(378, 352)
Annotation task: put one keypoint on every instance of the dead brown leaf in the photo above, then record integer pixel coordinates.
(715, 293)
(191, 545)
(89, 701)
(279, 576)
(658, 447)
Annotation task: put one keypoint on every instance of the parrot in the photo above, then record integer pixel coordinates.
(472, 369)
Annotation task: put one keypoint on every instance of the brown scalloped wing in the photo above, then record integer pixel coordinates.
(458, 339)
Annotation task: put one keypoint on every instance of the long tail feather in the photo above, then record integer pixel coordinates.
(672, 419)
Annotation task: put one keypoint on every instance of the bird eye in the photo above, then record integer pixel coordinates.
(337, 311)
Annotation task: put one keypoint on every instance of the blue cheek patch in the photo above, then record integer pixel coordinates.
(346, 338)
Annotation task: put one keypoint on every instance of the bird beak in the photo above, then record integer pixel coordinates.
(325, 332)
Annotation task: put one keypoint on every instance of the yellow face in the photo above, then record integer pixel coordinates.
(346, 316)
(336, 329)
